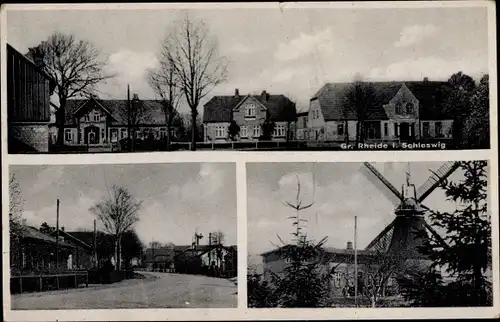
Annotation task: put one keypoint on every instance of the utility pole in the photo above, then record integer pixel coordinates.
(355, 261)
(95, 243)
(129, 125)
(57, 237)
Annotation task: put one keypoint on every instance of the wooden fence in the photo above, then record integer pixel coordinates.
(40, 283)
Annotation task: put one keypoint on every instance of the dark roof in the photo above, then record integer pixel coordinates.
(155, 115)
(328, 250)
(429, 93)
(162, 253)
(71, 235)
(220, 108)
(30, 232)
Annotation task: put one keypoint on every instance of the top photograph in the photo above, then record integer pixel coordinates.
(246, 79)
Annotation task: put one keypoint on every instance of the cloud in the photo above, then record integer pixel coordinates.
(435, 68)
(239, 48)
(306, 44)
(412, 35)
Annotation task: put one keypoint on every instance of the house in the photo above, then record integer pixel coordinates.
(338, 262)
(39, 253)
(249, 113)
(94, 121)
(403, 111)
(82, 256)
(161, 258)
(218, 260)
(302, 131)
(28, 103)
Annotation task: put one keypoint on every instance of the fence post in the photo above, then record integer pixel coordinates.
(87, 279)
(41, 284)
(20, 284)
(57, 281)
(232, 145)
(76, 284)
(189, 146)
(212, 145)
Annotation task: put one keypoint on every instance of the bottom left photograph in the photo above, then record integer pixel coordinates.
(123, 236)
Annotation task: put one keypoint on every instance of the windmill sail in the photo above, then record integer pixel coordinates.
(381, 183)
(436, 179)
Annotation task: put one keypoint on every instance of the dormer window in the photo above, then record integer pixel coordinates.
(250, 110)
(97, 116)
(399, 108)
(409, 108)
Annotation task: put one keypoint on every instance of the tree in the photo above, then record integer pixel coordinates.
(74, 65)
(477, 124)
(46, 228)
(267, 130)
(360, 97)
(260, 292)
(304, 283)
(217, 238)
(118, 213)
(467, 255)
(192, 52)
(165, 83)
(458, 103)
(136, 113)
(187, 126)
(131, 247)
(233, 130)
(16, 226)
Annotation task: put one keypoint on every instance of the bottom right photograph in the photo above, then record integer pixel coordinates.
(381, 234)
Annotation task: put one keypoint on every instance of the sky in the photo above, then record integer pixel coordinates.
(339, 191)
(178, 198)
(288, 51)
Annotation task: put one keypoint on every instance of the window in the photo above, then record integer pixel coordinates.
(336, 279)
(279, 130)
(244, 131)
(97, 116)
(163, 132)
(256, 131)
(68, 135)
(426, 129)
(340, 129)
(220, 131)
(138, 134)
(123, 133)
(399, 108)
(386, 129)
(250, 110)
(114, 135)
(81, 135)
(409, 108)
(396, 129)
(439, 129)
(87, 117)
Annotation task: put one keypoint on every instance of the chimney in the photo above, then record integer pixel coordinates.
(136, 96)
(62, 228)
(264, 95)
(349, 245)
(237, 93)
(426, 79)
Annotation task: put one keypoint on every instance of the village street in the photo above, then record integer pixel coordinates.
(164, 291)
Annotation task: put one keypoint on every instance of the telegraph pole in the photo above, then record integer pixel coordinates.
(355, 261)
(57, 237)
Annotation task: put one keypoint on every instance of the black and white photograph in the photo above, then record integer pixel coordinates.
(385, 234)
(273, 78)
(115, 236)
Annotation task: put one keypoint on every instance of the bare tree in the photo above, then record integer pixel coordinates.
(360, 97)
(118, 213)
(217, 238)
(165, 83)
(75, 66)
(135, 113)
(194, 56)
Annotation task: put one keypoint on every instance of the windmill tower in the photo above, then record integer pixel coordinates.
(406, 233)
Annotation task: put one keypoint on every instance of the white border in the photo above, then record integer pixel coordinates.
(240, 158)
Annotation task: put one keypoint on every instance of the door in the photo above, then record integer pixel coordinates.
(404, 131)
(91, 135)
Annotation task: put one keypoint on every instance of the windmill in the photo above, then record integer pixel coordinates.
(407, 231)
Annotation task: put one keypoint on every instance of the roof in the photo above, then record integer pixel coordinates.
(429, 93)
(74, 238)
(116, 108)
(169, 253)
(33, 233)
(220, 108)
(328, 250)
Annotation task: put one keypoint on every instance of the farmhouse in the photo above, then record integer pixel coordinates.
(249, 113)
(96, 121)
(28, 102)
(402, 111)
